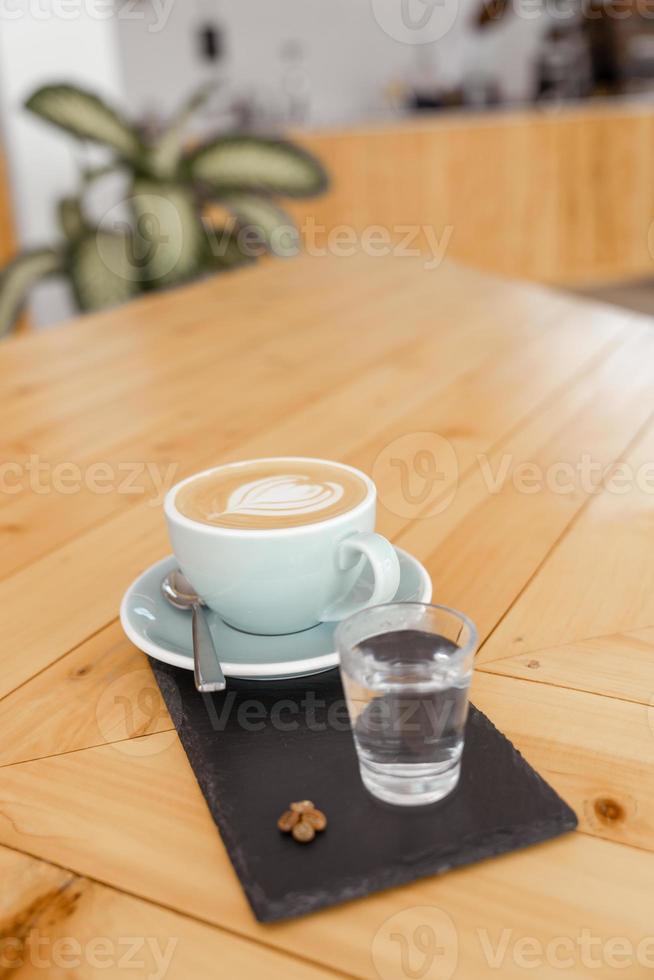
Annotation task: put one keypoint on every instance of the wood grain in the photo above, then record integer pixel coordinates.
(451, 408)
(124, 829)
(175, 439)
(608, 550)
(420, 401)
(346, 358)
(596, 751)
(619, 666)
(135, 536)
(102, 691)
(57, 924)
(491, 540)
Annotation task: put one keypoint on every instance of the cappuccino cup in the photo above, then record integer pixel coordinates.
(276, 545)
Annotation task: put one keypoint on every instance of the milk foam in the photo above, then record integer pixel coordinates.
(286, 494)
(269, 494)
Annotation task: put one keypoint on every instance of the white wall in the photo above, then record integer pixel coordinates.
(349, 59)
(36, 47)
(355, 50)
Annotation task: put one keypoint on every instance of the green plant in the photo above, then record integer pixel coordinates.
(164, 237)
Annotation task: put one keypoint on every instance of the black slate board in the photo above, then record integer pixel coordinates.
(256, 747)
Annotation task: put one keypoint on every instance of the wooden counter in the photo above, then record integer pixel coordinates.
(562, 196)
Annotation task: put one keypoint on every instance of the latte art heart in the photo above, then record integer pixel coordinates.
(283, 495)
(271, 493)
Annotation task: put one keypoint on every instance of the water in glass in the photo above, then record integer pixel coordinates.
(407, 694)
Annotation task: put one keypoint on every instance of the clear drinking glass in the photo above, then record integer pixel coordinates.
(406, 669)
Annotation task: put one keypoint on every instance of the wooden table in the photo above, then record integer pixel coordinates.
(541, 529)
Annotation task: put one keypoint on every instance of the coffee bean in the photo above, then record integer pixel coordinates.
(302, 806)
(302, 820)
(287, 821)
(316, 818)
(303, 832)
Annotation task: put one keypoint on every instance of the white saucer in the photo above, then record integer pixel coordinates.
(165, 633)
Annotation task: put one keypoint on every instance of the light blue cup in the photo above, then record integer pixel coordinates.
(284, 580)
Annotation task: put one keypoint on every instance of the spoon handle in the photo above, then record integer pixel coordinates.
(208, 672)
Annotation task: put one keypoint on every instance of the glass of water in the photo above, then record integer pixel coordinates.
(406, 669)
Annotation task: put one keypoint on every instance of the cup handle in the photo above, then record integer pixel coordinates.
(385, 569)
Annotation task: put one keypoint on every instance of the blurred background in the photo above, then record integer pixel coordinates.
(518, 130)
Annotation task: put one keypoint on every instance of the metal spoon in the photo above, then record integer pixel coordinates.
(206, 666)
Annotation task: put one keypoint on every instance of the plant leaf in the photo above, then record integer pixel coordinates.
(90, 174)
(169, 234)
(17, 278)
(71, 218)
(85, 115)
(102, 270)
(225, 251)
(251, 163)
(272, 226)
(163, 158)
